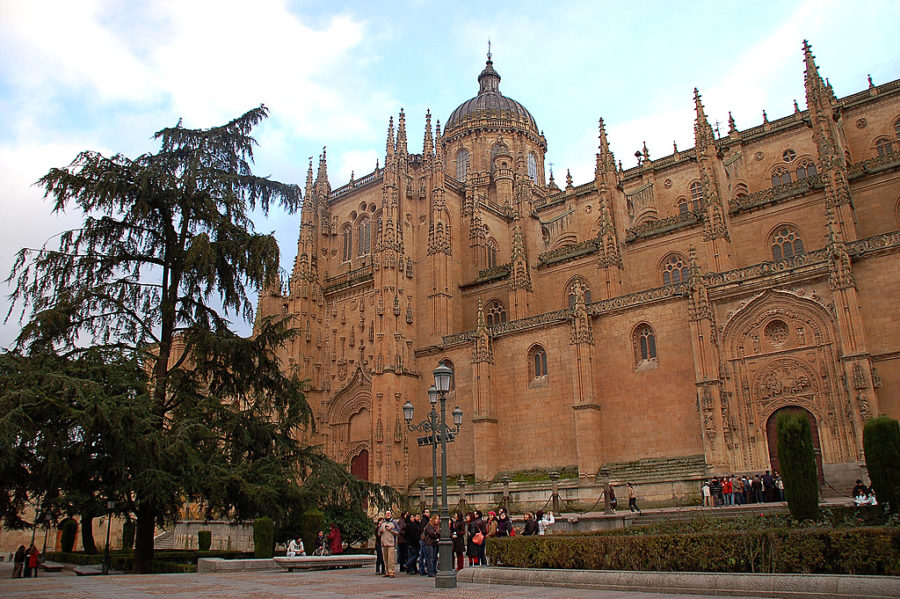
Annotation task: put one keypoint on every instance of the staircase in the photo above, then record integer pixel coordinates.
(651, 470)
(164, 540)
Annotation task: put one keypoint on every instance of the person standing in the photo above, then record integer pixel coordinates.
(413, 534)
(388, 534)
(727, 489)
(32, 560)
(19, 562)
(706, 493)
(471, 545)
(379, 552)
(458, 536)
(401, 540)
(335, 546)
(632, 498)
(482, 528)
(432, 534)
(544, 521)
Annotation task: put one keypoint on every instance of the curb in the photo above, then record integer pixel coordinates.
(799, 586)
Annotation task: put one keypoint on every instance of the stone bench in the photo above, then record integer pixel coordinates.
(52, 566)
(325, 562)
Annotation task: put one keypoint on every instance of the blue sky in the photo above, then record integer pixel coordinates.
(103, 75)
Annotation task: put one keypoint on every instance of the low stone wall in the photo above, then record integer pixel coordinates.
(210, 565)
(798, 586)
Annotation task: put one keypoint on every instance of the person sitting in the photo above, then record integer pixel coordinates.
(863, 495)
(295, 548)
(321, 547)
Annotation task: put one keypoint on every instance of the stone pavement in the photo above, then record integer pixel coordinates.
(271, 585)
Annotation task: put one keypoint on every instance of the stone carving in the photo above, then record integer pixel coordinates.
(776, 332)
(859, 377)
(864, 411)
(785, 378)
(379, 431)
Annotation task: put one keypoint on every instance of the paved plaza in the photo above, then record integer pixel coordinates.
(272, 585)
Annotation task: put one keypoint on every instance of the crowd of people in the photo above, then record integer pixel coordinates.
(411, 541)
(740, 490)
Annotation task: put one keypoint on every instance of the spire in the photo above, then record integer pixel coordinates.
(322, 174)
(519, 277)
(438, 149)
(309, 179)
(606, 162)
(645, 152)
(401, 135)
(811, 77)
(731, 127)
(569, 179)
(703, 133)
(489, 79)
(428, 145)
(389, 150)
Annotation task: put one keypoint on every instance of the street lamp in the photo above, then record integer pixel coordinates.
(110, 504)
(440, 433)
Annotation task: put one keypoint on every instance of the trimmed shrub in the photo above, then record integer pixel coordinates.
(128, 534)
(798, 465)
(69, 528)
(204, 539)
(312, 522)
(881, 442)
(263, 537)
(805, 550)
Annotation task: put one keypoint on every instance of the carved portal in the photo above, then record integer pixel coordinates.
(781, 350)
(349, 421)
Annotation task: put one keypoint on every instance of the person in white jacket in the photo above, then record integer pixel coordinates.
(544, 521)
(295, 548)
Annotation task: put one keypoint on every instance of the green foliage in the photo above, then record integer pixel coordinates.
(263, 537)
(311, 523)
(798, 465)
(881, 441)
(354, 524)
(69, 528)
(173, 561)
(204, 539)
(128, 535)
(803, 550)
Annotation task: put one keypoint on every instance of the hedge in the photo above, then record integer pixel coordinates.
(173, 561)
(263, 537)
(204, 539)
(810, 550)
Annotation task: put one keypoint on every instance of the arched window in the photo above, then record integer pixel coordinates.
(696, 195)
(537, 362)
(897, 128)
(644, 340)
(806, 169)
(682, 204)
(532, 167)
(570, 292)
(491, 253)
(364, 237)
(462, 164)
(446, 362)
(781, 176)
(348, 243)
(674, 270)
(786, 242)
(884, 147)
(495, 313)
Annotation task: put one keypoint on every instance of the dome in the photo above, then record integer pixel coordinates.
(490, 103)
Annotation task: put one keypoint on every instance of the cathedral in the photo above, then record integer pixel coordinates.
(651, 322)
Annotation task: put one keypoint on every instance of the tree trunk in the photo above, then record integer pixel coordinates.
(87, 532)
(143, 540)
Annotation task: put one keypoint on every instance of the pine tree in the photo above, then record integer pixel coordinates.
(162, 260)
(881, 441)
(798, 465)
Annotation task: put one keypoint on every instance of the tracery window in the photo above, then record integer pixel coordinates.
(537, 362)
(364, 237)
(682, 205)
(696, 195)
(449, 364)
(788, 155)
(532, 167)
(570, 292)
(786, 242)
(644, 341)
(674, 270)
(806, 169)
(897, 128)
(781, 176)
(883, 147)
(495, 313)
(348, 243)
(491, 253)
(462, 164)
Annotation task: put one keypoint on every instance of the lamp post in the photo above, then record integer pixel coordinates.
(109, 507)
(439, 433)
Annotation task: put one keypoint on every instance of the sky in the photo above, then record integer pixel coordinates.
(105, 75)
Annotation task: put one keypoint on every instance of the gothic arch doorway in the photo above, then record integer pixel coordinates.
(359, 465)
(772, 437)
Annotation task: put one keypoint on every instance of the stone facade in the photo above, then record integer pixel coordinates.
(662, 312)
